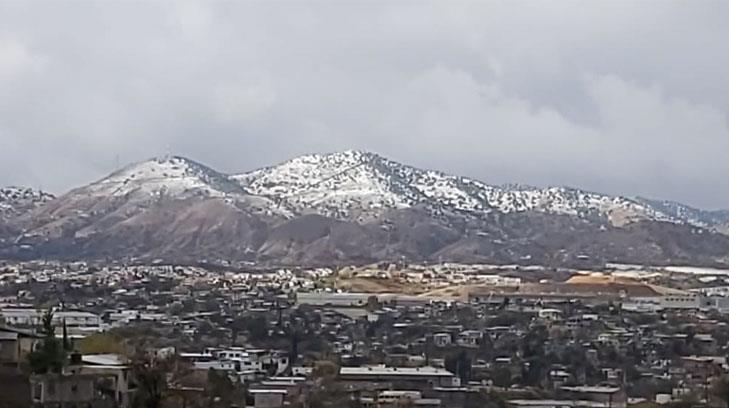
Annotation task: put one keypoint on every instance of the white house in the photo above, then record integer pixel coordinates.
(33, 317)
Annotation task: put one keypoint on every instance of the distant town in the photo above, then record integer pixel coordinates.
(364, 204)
(380, 335)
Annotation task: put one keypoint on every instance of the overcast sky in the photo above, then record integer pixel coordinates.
(621, 97)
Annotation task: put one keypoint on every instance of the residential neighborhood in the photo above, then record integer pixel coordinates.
(364, 204)
(468, 336)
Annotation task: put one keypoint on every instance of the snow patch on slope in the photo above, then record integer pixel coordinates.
(362, 185)
(17, 199)
(174, 176)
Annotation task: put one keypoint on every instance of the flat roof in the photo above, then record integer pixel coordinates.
(556, 403)
(7, 335)
(103, 359)
(268, 391)
(404, 371)
(427, 401)
(399, 393)
(592, 388)
(35, 312)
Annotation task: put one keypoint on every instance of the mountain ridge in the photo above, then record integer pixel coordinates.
(465, 194)
(351, 206)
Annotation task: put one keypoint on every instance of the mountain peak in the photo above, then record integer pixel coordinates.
(344, 157)
(363, 185)
(166, 175)
(358, 154)
(172, 205)
(173, 164)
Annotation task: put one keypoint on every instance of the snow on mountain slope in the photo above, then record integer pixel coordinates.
(362, 185)
(172, 176)
(351, 186)
(176, 178)
(342, 186)
(149, 187)
(14, 200)
(347, 207)
(691, 215)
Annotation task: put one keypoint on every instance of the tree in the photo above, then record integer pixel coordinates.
(258, 328)
(373, 304)
(501, 377)
(466, 315)
(331, 394)
(151, 384)
(460, 365)
(532, 349)
(721, 389)
(325, 369)
(66, 341)
(219, 389)
(294, 335)
(51, 355)
(47, 327)
(102, 343)
(328, 392)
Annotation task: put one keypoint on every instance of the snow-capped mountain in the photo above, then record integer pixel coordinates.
(166, 176)
(142, 194)
(350, 206)
(717, 219)
(15, 200)
(346, 185)
(170, 178)
(361, 185)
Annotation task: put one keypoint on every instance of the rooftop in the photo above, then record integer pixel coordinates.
(592, 389)
(404, 371)
(104, 359)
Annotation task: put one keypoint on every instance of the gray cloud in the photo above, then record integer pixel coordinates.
(620, 97)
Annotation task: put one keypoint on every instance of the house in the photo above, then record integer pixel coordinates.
(112, 372)
(442, 339)
(613, 375)
(268, 398)
(421, 377)
(550, 314)
(550, 403)
(559, 376)
(333, 299)
(57, 389)
(719, 303)
(469, 338)
(579, 396)
(277, 391)
(15, 344)
(398, 398)
(31, 317)
(98, 380)
(609, 397)
(680, 301)
(244, 363)
(703, 367)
